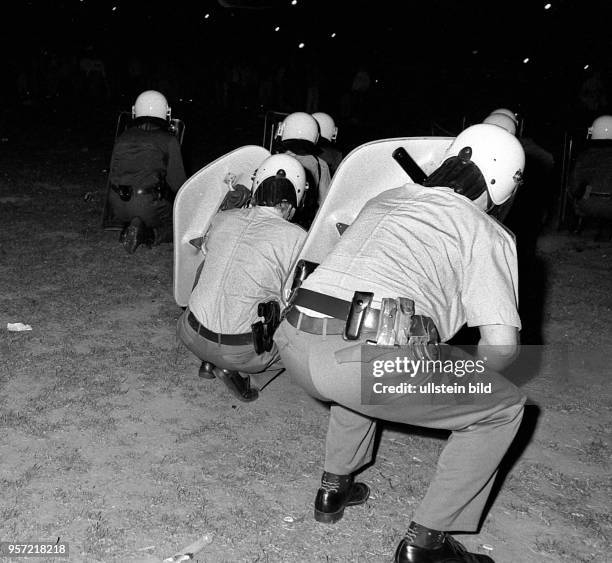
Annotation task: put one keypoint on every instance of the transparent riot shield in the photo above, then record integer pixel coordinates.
(197, 202)
(364, 173)
(272, 120)
(566, 165)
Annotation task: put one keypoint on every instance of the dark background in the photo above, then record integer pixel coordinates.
(434, 66)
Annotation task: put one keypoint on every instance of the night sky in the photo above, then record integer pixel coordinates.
(439, 58)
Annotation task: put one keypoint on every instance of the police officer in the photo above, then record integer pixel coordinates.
(327, 139)
(590, 182)
(248, 254)
(437, 246)
(299, 134)
(146, 171)
(502, 120)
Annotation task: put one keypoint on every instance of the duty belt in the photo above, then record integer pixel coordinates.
(327, 305)
(229, 339)
(125, 192)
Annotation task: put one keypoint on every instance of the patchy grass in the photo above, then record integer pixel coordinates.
(113, 443)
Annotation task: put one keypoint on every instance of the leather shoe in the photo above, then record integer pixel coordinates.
(336, 493)
(449, 551)
(134, 235)
(238, 384)
(207, 371)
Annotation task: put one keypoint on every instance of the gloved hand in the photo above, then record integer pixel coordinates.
(236, 198)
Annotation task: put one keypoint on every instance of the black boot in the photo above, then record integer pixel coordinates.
(238, 384)
(336, 493)
(207, 371)
(134, 235)
(123, 234)
(423, 545)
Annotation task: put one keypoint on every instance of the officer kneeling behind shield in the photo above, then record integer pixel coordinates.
(434, 246)
(146, 171)
(238, 295)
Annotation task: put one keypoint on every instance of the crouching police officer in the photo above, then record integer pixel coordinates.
(236, 301)
(146, 171)
(436, 249)
(299, 135)
(590, 181)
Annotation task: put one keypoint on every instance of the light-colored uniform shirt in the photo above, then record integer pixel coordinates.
(248, 257)
(433, 246)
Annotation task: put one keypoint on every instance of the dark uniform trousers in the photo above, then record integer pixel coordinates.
(483, 426)
(152, 209)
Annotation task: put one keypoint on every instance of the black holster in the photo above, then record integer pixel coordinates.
(124, 192)
(263, 331)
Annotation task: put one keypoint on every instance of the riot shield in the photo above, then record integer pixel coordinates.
(196, 203)
(364, 173)
(566, 165)
(272, 120)
(588, 184)
(124, 120)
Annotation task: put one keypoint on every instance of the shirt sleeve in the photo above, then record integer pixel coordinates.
(490, 283)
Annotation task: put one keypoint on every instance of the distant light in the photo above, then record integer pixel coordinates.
(277, 28)
(333, 35)
(206, 16)
(376, 81)
(293, 2)
(475, 52)
(526, 60)
(301, 46)
(114, 8)
(587, 67)
(548, 6)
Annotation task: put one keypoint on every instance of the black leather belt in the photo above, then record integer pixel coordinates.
(148, 190)
(125, 192)
(229, 339)
(327, 305)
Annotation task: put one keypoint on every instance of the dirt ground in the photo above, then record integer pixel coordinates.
(111, 442)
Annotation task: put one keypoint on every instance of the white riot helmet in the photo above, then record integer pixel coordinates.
(507, 112)
(279, 178)
(503, 121)
(601, 128)
(327, 126)
(300, 126)
(483, 157)
(151, 103)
